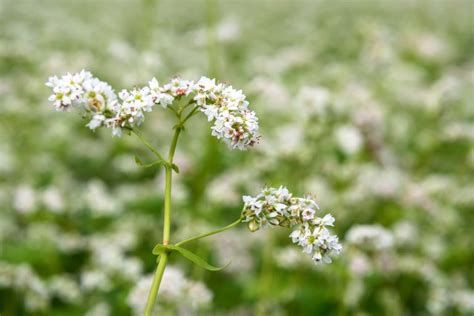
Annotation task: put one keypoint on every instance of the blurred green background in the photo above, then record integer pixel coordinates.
(368, 105)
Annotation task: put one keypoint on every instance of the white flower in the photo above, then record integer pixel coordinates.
(349, 139)
(24, 199)
(308, 214)
(371, 237)
(80, 90)
(234, 123)
(327, 220)
(96, 121)
(178, 87)
(156, 94)
(277, 207)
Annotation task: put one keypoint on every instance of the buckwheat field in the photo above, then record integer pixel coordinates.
(237, 157)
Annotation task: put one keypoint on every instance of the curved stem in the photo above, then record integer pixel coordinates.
(190, 114)
(209, 233)
(147, 144)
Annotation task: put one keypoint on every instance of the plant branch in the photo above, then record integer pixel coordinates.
(148, 145)
(209, 233)
(190, 114)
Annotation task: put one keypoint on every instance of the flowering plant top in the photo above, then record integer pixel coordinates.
(232, 122)
(224, 106)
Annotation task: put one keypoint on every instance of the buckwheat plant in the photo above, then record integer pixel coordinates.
(232, 122)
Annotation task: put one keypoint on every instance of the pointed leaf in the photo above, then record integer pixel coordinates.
(196, 259)
(175, 168)
(160, 249)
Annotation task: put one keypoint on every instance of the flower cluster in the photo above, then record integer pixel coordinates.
(278, 207)
(233, 122)
(81, 90)
(228, 108)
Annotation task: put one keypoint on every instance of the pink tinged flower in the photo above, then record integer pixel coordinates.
(308, 214)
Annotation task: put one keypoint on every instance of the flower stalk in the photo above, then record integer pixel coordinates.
(163, 259)
(217, 231)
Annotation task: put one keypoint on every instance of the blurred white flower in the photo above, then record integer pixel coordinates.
(99, 309)
(405, 233)
(225, 188)
(429, 46)
(464, 301)
(23, 279)
(228, 30)
(24, 199)
(137, 297)
(289, 258)
(359, 264)
(314, 99)
(65, 288)
(349, 139)
(99, 201)
(53, 200)
(234, 244)
(92, 280)
(198, 294)
(272, 92)
(371, 237)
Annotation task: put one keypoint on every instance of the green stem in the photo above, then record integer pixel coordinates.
(160, 269)
(147, 144)
(168, 178)
(190, 114)
(166, 226)
(210, 233)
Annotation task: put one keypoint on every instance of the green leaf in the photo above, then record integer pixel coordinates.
(175, 168)
(138, 161)
(160, 249)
